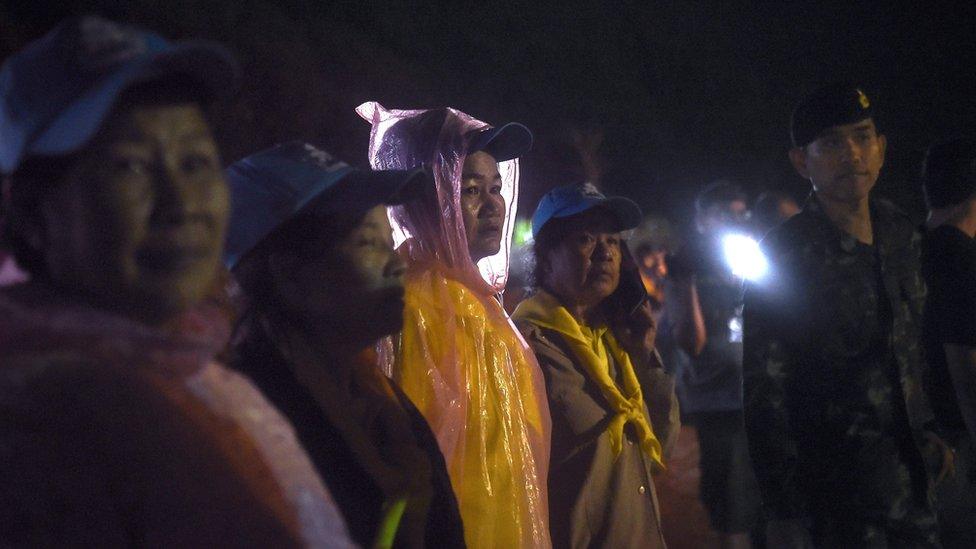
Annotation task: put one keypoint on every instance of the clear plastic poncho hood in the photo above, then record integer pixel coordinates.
(403, 139)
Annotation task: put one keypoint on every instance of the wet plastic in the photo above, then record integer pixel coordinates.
(459, 358)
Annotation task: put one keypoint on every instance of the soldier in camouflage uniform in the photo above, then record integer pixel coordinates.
(834, 410)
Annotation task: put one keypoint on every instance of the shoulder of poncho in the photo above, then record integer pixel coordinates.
(432, 290)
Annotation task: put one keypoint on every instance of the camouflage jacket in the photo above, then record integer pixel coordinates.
(832, 366)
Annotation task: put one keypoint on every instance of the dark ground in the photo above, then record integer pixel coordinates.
(653, 101)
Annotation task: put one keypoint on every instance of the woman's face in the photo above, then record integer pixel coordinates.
(584, 268)
(482, 205)
(138, 223)
(351, 284)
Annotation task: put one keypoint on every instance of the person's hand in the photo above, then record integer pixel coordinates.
(941, 452)
(638, 332)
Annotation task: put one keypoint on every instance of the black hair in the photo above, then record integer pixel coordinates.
(550, 236)
(949, 172)
(412, 141)
(718, 192)
(766, 209)
(24, 191)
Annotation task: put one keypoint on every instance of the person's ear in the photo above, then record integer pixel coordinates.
(798, 157)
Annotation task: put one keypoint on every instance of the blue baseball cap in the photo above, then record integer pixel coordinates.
(270, 187)
(567, 200)
(505, 142)
(56, 92)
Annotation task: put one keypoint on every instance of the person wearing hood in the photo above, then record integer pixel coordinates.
(117, 428)
(311, 245)
(591, 327)
(459, 358)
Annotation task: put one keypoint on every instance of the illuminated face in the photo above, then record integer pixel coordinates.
(351, 284)
(482, 205)
(844, 162)
(655, 264)
(584, 268)
(138, 225)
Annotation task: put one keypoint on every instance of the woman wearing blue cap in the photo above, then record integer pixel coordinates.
(612, 405)
(458, 357)
(311, 245)
(117, 428)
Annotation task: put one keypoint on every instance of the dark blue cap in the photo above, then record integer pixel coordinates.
(568, 200)
(270, 187)
(56, 92)
(505, 142)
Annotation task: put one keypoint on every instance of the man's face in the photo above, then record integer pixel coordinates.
(482, 205)
(843, 163)
(139, 222)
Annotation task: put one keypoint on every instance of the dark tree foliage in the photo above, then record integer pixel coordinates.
(681, 94)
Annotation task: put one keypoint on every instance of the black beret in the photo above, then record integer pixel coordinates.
(832, 105)
(949, 172)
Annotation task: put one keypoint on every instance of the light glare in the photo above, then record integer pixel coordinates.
(744, 257)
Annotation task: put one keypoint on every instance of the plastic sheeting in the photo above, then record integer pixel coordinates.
(459, 358)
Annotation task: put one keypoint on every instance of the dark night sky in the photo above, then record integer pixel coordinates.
(682, 93)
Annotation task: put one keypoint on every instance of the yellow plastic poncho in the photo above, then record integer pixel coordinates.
(459, 358)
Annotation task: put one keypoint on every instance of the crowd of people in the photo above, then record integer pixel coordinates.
(288, 351)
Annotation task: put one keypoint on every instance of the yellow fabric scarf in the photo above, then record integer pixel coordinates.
(590, 346)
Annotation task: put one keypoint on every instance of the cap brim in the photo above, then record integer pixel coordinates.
(361, 190)
(209, 65)
(505, 142)
(626, 212)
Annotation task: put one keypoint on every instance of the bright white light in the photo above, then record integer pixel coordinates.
(743, 256)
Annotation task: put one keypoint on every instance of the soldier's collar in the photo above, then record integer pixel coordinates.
(845, 241)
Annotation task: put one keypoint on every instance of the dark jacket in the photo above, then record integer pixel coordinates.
(358, 496)
(834, 405)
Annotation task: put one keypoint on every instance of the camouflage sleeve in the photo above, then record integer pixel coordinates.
(917, 400)
(772, 448)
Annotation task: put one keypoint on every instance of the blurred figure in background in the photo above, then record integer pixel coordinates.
(704, 318)
(459, 359)
(311, 245)
(771, 209)
(117, 428)
(614, 411)
(518, 287)
(949, 324)
(651, 242)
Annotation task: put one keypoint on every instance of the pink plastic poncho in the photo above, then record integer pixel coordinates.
(459, 358)
(137, 437)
